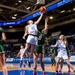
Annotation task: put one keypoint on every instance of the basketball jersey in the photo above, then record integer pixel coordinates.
(1, 31)
(62, 47)
(41, 38)
(21, 52)
(32, 29)
(60, 44)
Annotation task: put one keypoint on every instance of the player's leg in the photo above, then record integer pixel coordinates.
(32, 40)
(24, 64)
(31, 55)
(53, 61)
(21, 61)
(61, 65)
(2, 60)
(42, 63)
(70, 65)
(35, 63)
(58, 60)
(32, 50)
(27, 46)
(57, 64)
(20, 64)
(69, 54)
(52, 56)
(69, 71)
(65, 57)
(3, 64)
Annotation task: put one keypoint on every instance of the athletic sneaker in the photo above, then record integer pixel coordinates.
(44, 73)
(29, 64)
(56, 73)
(69, 72)
(34, 73)
(54, 66)
(74, 70)
(60, 72)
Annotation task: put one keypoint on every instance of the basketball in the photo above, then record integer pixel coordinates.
(42, 9)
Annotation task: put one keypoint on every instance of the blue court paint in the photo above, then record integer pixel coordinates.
(28, 72)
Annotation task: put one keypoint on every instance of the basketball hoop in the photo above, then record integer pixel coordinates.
(40, 2)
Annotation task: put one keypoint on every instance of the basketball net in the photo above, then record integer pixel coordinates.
(40, 2)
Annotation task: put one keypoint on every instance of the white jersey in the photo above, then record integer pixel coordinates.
(32, 37)
(21, 53)
(60, 44)
(62, 53)
(32, 29)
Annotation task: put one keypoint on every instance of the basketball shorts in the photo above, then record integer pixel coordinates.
(62, 54)
(32, 40)
(1, 49)
(38, 49)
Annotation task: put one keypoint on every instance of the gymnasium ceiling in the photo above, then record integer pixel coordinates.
(16, 9)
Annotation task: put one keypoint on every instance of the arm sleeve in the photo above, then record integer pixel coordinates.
(1, 31)
(56, 44)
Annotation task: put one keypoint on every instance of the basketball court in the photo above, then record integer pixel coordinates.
(13, 69)
(14, 15)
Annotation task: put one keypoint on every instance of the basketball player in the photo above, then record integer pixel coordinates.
(22, 47)
(52, 56)
(62, 53)
(46, 47)
(61, 65)
(52, 53)
(38, 52)
(2, 55)
(31, 42)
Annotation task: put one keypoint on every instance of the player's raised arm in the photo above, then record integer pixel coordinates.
(39, 19)
(46, 23)
(3, 36)
(45, 30)
(18, 54)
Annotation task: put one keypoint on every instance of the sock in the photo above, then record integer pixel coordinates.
(20, 63)
(52, 61)
(57, 71)
(30, 60)
(74, 69)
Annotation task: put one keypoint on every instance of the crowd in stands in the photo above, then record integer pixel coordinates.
(11, 51)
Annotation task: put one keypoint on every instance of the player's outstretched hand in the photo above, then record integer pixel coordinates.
(23, 37)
